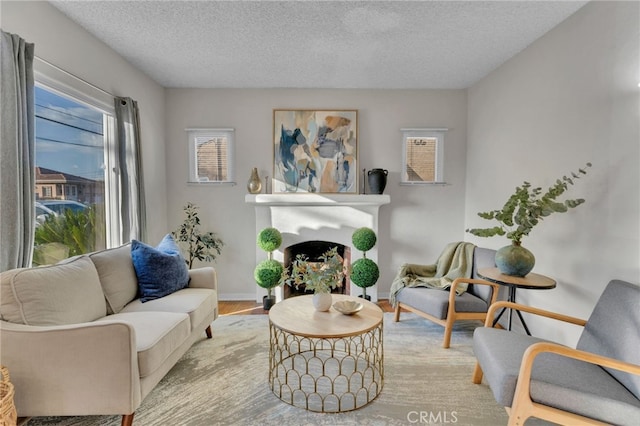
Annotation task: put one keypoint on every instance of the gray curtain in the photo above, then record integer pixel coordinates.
(132, 203)
(17, 152)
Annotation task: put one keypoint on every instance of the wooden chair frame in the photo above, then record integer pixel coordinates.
(452, 314)
(523, 406)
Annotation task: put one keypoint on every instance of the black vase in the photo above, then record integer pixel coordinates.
(377, 180)
(268, 302)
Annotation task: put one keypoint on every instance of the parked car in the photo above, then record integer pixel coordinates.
(42, 212)
(59, 206)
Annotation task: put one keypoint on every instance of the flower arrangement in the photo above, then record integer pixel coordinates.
(319, 277)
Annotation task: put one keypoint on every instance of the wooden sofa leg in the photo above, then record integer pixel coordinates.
(127, 419)
(208, 331)
(477, 374)
(397, 315)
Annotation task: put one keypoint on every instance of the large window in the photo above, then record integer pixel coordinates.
(422, 156)
(72, 156)
(210, 155)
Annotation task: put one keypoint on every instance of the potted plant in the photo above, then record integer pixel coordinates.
(268, 272)
(364, 272)
(320, 277)
(525, 209)
(201, 246)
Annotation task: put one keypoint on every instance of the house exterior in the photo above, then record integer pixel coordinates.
(55, 185)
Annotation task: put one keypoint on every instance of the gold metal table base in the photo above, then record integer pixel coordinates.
(326, 374)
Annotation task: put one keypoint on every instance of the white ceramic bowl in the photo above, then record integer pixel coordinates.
(348, 307)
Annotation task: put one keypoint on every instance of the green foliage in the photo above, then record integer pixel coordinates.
(364, 273)
(75, 230)
(201, 246)
(364, 239)
(268, 274)
(269, 239)
(527, 206)
(319, 277)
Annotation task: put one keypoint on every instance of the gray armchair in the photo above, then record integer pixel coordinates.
(596, 383)
(445, 307)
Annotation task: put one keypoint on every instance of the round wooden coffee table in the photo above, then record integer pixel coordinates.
(325, 361)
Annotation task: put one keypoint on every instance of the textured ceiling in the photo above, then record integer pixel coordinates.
(317, 44)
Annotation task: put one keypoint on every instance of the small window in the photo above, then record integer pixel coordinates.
(422, 156)
(47, 192)
(211, 155)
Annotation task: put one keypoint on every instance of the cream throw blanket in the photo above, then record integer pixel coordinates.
(455, 261)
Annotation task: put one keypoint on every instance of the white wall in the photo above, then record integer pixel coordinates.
(569, 98)
(413, 228)
(60, 41)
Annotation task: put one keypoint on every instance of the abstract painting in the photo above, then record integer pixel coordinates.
(315, 151)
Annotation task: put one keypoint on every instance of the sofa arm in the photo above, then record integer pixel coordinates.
(203, 278)
(72, 369)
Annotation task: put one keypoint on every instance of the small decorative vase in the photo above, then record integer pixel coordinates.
(322, 301)
(515, 260)
(377, 180)
(254, 185)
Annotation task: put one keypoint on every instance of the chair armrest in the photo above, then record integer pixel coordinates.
(203, 278)
(530, 309)
(474, 281)
(80, 363)
(522, 398)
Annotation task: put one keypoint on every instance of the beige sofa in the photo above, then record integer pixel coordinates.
(77, 341)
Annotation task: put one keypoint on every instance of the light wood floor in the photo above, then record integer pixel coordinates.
(247, 307)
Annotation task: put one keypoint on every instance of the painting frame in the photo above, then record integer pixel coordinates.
(315, 151)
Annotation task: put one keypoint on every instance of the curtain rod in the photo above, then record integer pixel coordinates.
(74, 76)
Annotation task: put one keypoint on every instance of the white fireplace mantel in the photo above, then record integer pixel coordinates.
(327, 217)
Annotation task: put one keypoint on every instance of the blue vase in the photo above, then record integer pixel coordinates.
(515, 260)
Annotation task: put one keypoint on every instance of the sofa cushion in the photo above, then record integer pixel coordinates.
(160, 270)
(117, 276)
(158, 335)
(435, 301)
(59, 294)
(556, 381)
(198, 303)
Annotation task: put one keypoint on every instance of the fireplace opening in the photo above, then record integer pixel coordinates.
(313, 250)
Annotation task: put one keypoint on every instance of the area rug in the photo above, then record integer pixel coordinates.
(224, 381)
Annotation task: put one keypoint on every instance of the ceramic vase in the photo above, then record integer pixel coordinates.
(322, 301)
(515, 260)
(377, 180)
(254, 186)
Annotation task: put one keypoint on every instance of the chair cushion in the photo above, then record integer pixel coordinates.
(198, 303)
(158, 335)
(556, 381)
(435, 301)
(612, 330)
(59, 294)
(160, 270)
(482, 258)
(117, 276)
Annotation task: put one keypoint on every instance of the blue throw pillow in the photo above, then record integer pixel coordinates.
(160, 270)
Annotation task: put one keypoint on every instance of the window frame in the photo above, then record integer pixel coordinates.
(62, 83)
(428, 132)
(192, 136)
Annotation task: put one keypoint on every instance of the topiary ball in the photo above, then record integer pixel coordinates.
(267, 273)
(364, 272)
(364, 239)
(269, 239)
